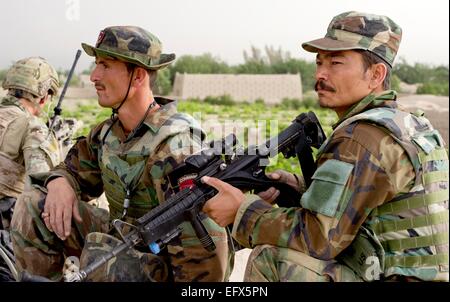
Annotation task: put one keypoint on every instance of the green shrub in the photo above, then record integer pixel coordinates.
(224, 100)
(395, 83)
(288, 103)
(258, 101)
(433, 88)
(310, 102)
(3, 74)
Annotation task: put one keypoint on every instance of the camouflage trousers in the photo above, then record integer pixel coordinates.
(41, 252)
(268, 263)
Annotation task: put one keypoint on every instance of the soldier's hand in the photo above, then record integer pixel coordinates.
(61, 204)
(282, 176)
(222, 208)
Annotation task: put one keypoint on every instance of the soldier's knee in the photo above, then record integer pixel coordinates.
(25, 217)
(263, 253)
(26, 207)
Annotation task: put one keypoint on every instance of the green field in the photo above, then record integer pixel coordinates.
(267, 120)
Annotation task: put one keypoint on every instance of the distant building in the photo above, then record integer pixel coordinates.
(272, 88)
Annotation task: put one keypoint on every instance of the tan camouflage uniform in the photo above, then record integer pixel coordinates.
(378, 204)
(109, 161)
(25, 144)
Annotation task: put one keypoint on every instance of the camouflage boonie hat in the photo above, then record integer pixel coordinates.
(130, 44)
(33, 75)
(354, 30)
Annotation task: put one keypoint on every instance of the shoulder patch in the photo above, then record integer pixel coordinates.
(325, 192)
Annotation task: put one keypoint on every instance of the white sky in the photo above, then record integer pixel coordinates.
(54, 29)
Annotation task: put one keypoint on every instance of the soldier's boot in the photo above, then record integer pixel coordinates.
(268, 263)
(40, 251)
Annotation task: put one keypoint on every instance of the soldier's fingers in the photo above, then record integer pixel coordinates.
(274, 175)
(52, 214)
(59, 223)
(67, 221)
(271, 198)
(215, 183)
(47, 223)
(274, 196)
(47, 205)
(267, 194)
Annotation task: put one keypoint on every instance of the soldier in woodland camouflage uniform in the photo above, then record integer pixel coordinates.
(25, 144)
(127, 157)
(377, 208)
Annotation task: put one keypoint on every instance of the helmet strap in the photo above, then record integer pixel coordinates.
(116, 110)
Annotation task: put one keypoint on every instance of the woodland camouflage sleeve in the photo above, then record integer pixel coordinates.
(354, 176)
(81, 166)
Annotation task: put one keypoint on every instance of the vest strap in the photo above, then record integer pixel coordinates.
(410, 223)
(436, 154)
(414, 202)
(415, 242)
(416, 261)
(435, 176)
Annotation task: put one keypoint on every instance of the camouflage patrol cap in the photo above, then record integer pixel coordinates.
(33, 75)
(130, 44)
(355, 30)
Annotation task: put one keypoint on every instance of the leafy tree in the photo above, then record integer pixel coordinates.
(163, 85)
(276, 61)
(74, 81)
(395, 82)
(3, 74)
(433, 88)
(420, 73)
(206, 64)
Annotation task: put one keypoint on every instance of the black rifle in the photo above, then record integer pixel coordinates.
(245, 171)
(57, 110)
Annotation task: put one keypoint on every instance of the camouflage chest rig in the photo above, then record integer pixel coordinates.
(123, 171)
(410, 231)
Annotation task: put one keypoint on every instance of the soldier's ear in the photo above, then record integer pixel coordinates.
(44, 99)
(140, 75)
(379, 72)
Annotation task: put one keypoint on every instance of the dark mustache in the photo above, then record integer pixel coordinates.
(323, 86)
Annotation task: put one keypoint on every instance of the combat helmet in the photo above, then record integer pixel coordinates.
(33, 75)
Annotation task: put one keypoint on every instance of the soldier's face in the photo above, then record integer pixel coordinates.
(111, 79)
(340, 79)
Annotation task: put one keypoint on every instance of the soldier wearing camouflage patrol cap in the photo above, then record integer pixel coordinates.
(128, 157)
(377, 207)
(26, 147)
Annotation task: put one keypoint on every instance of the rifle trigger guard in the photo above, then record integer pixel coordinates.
(119, 224)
